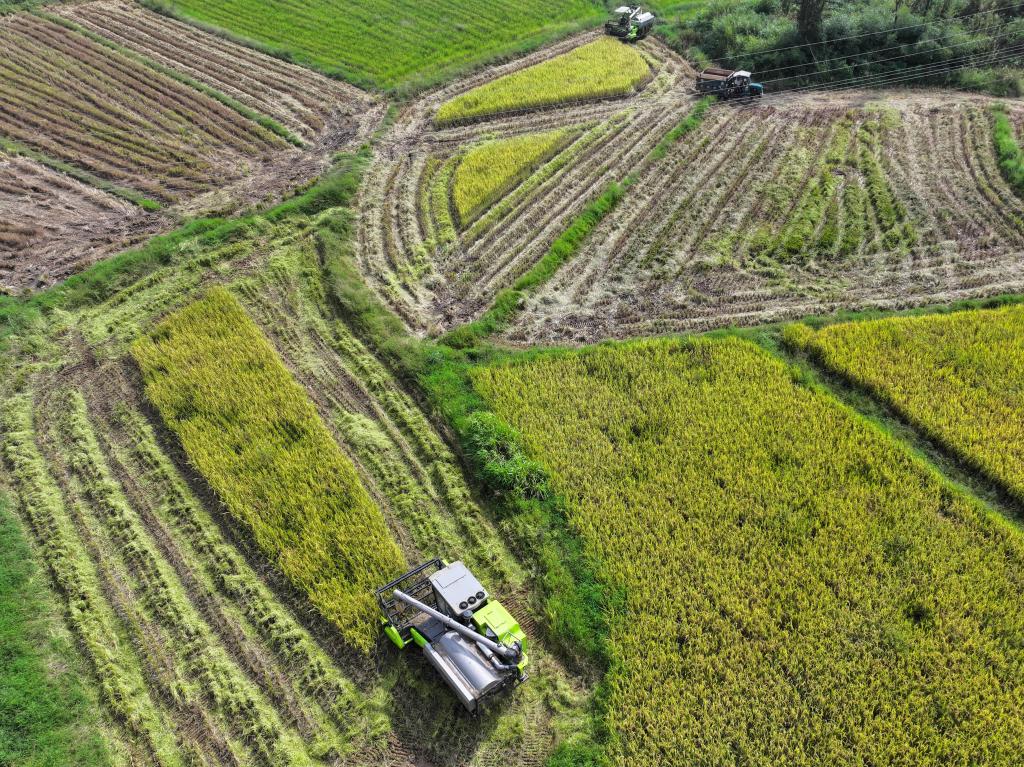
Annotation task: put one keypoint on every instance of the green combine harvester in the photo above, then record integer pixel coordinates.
(468, 637)
(630, 23)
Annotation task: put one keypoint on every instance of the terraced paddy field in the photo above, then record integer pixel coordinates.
(798, 588)
(167, 117)
(434, 275)
(52, 225)
(427, 42)
(204, 648)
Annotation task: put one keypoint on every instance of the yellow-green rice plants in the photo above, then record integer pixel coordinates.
(601, 69)
(253, 434)
(956, 376)
(798, 588)
(488, 172)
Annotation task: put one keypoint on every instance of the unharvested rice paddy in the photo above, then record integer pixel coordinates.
(956, 376)
(304, 102)
(490, 171)
(798, 588)
(604, 68)
(424, 41)
(256, 438)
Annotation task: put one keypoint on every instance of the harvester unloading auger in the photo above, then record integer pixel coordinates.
(468, 637)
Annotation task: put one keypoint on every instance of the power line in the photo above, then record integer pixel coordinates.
(849, 56)
(877, 32)
(896, 58)
(867, 81)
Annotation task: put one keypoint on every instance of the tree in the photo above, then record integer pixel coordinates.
(809, 19)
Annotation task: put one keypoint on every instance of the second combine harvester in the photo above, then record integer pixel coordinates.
(630, 23)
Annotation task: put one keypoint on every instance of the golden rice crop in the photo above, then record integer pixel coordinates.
(253, 434)
(799, 588)
(491, 170)
(956, 376)
(601, 69)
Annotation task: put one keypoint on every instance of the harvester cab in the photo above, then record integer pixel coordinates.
(728, 83)
(469, 638)
(630, 23)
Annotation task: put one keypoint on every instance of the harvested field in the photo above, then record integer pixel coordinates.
(797, 205)
(84, 104)
(200, 650)
(52, 226)
(303, 101)
(435, 277)
(807, 206)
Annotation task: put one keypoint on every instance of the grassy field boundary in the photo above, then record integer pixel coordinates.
(104, 278)
(46, 717)
(1008, 151)
(262, 120)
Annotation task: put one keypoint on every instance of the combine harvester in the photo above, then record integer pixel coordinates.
(728, 84)
(631, 23)
(468, 637)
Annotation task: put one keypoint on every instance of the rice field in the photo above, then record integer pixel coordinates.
(799, 589)
(490, 171)
(253, 434)
(605, 68)
(426, 42)
(954, 376)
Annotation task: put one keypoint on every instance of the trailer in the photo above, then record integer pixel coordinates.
(728, 83)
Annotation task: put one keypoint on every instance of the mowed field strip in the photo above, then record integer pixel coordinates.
(799, 589)
(52, 225)
(82, 103)
(411, 250)
(303, 101)
(813, 205)
(155, 112)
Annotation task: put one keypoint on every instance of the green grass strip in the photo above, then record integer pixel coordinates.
(1008, 152)
(688, 124)
(105, 278)
(507, 302)
(46, 719)
(262, 120)
(17, 148)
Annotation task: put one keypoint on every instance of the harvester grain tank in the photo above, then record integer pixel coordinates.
(469, 638)
(630, 23)
(728, 83)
